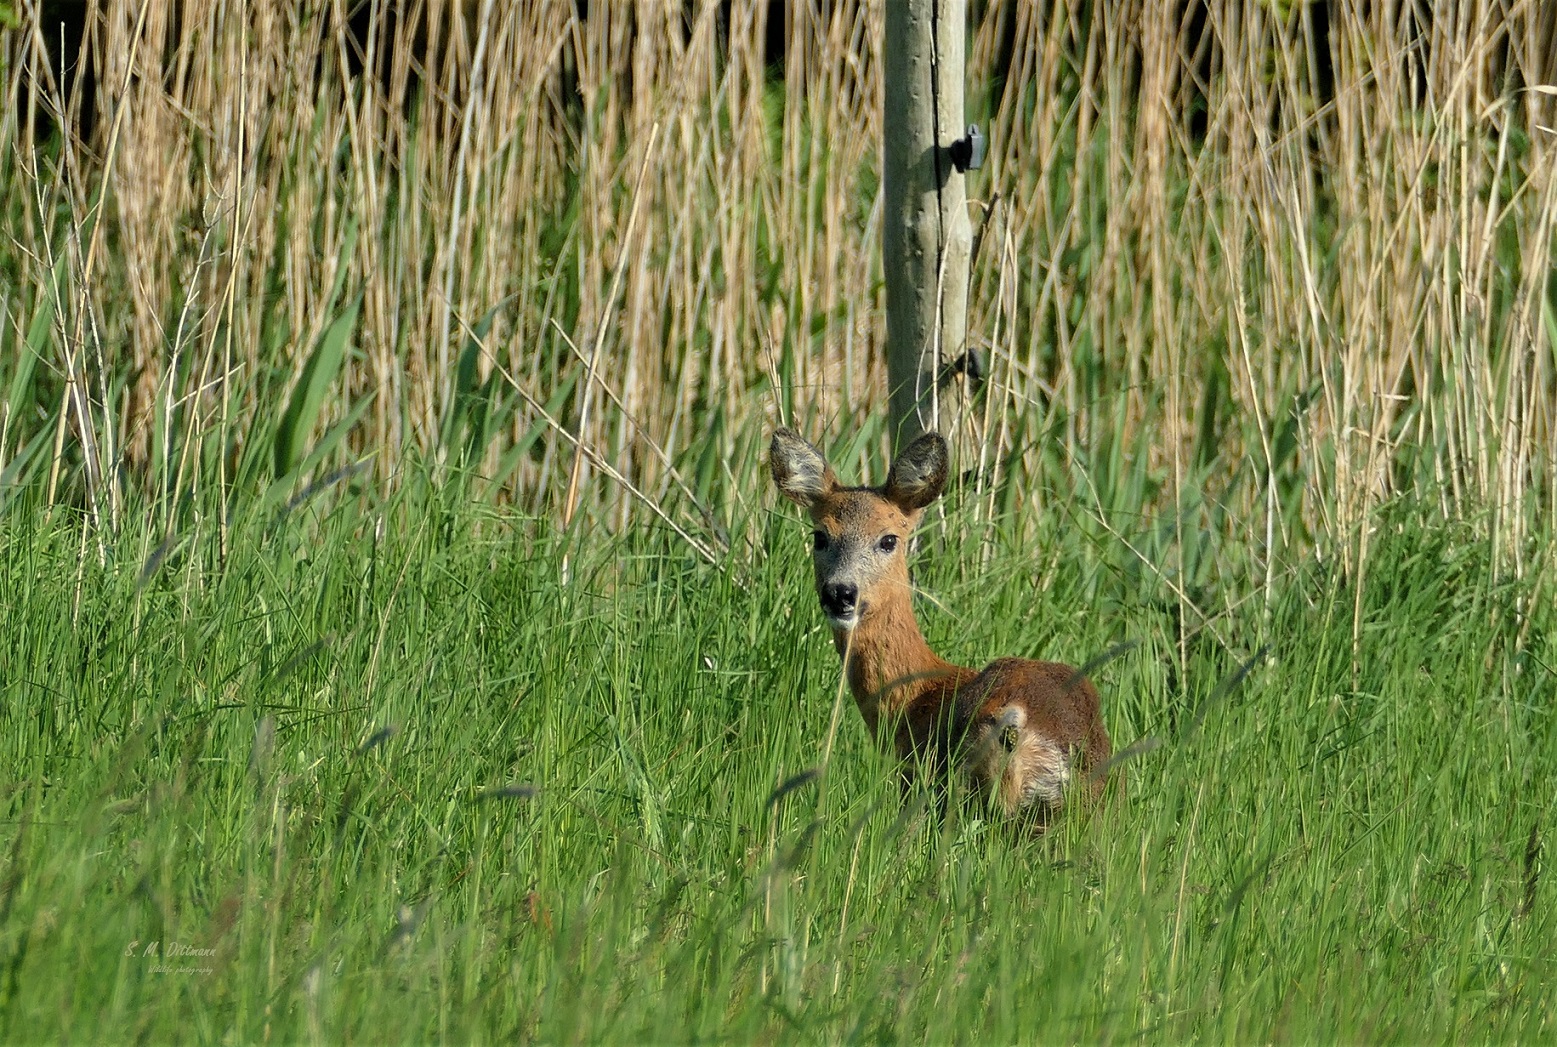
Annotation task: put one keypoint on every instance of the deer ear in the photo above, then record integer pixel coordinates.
(799, 471)
(918, 474)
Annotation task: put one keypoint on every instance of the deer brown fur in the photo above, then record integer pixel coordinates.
(1020, 732)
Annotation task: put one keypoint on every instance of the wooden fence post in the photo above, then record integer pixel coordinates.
(926, 235)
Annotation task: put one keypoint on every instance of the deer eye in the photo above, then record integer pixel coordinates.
(888, 543)
(819, 540)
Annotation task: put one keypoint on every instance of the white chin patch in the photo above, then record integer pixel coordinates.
(843, 623)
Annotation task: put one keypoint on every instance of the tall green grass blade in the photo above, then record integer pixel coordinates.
(281, 491)
(302, 411)
(510, 460)
(465, 428)
(21, 467)
(20, 394)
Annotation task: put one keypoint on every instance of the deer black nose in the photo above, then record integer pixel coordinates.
(838, 600)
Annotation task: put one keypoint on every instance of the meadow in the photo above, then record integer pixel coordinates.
(407, 784)
(400, 639)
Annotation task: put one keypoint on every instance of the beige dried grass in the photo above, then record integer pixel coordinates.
(1364, 262)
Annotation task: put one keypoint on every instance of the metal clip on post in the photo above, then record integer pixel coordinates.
(967, 153)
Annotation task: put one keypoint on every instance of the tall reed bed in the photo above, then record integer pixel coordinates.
(1245, 266)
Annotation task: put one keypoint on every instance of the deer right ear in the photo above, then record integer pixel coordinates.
(918, 475)
(799, 471)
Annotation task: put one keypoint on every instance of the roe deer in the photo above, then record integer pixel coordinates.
(1019, 730)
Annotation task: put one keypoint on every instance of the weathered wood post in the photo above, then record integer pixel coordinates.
(926, 235)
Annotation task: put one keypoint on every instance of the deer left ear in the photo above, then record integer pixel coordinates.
(918, 475)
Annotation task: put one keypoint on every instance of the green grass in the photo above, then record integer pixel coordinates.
(298, 672)
(1348, 845)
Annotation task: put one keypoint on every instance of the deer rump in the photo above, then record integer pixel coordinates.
(1026, 730)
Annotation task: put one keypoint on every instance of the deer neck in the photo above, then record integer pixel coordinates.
(889, 665)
